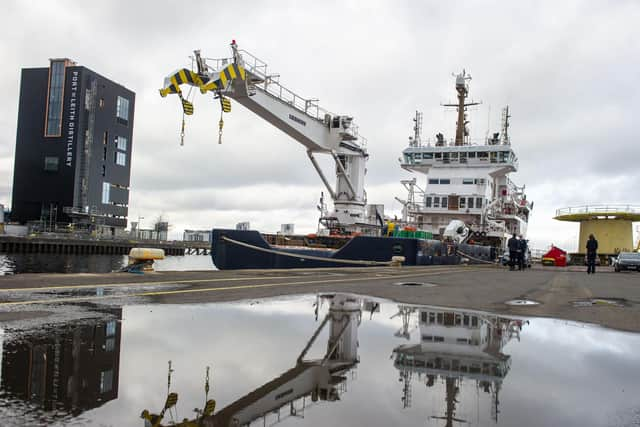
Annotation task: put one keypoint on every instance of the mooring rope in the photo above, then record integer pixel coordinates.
(311, 257)
(475, 259)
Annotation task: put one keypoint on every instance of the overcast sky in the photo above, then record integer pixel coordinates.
(568, 70)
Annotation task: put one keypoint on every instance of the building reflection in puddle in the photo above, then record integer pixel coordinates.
(455, 346)
(66, 369)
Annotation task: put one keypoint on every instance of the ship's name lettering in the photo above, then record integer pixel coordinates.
(297, 120)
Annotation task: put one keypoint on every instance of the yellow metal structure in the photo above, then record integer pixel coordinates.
(611, 225)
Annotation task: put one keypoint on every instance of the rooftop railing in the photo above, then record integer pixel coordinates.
(599, 209)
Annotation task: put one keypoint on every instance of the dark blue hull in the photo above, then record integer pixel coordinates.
(235, 249)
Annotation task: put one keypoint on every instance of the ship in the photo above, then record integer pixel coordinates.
(370, 240)
(467, 181)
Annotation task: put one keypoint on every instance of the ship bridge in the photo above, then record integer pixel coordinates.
(502, 158)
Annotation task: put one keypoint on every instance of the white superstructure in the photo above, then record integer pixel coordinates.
(465, 181)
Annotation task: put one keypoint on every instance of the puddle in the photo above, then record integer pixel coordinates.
(601, 302)
(424, 284)
(524, 302)
(316, 361)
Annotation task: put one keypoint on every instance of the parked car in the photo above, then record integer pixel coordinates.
(627, 261)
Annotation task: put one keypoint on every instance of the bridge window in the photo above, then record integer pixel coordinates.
(483, 156)
(504, 156)
(468, 181)
(445, 181)
(436, 202)
(434, 181)
(417, 156)
(462, 202)
(472, 154)
(478, 202)
(427, 155)
(444, 202)
(427, 201)
(470, 204)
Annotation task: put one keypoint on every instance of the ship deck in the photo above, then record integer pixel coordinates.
(562, 293)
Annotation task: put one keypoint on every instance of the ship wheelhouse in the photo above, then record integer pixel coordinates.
(465, 181)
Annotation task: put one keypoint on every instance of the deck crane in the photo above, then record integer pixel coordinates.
(244, 78)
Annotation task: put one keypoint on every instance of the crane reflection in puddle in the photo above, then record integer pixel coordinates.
(309, 382)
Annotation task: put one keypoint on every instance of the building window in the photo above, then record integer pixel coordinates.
(121, 159)
(101, 102)
(122, 109)
(110, 328)
(106, 381)
(51, 164)
(109, 344)
(470, 203)
(427, 202)
(121, 143)
(105, 193)
(467, 181)
(53, 126)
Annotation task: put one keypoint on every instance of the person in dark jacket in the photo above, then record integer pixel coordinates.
(592, 248)
(512, 245)
(522, 253)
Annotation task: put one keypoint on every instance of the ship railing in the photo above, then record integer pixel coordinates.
(307, 106)
(599, 209)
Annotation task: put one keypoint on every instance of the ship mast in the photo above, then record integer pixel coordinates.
(462, 87)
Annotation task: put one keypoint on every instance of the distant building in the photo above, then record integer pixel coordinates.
(73, 149)
(197, 235)
(243, 226)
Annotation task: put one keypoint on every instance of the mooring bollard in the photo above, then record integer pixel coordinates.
(145, 257)
(396, 261)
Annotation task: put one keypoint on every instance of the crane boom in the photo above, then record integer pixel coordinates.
(245, 79)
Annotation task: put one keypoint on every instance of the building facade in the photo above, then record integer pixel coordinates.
(73, 149)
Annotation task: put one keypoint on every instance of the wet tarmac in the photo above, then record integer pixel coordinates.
(316, 360)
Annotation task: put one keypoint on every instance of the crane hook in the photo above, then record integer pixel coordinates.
(220, 126)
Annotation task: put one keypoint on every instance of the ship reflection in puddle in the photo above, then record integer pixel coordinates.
(317, 361)
(455, 346)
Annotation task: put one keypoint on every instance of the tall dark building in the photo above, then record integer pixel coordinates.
(73, 149)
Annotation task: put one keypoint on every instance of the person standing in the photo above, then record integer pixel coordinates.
(522, 248)
(512, 245)
(592, 247)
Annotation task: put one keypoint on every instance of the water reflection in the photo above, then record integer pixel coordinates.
(331, 360)
(455, 346)
(66, 370)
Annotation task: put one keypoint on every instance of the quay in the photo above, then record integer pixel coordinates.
(78, 246)
(607, 298)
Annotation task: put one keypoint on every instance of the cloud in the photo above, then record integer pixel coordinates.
(567, 71)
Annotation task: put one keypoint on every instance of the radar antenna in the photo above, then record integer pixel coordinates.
(462, 87)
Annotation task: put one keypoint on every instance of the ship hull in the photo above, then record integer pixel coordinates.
(238, 249)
